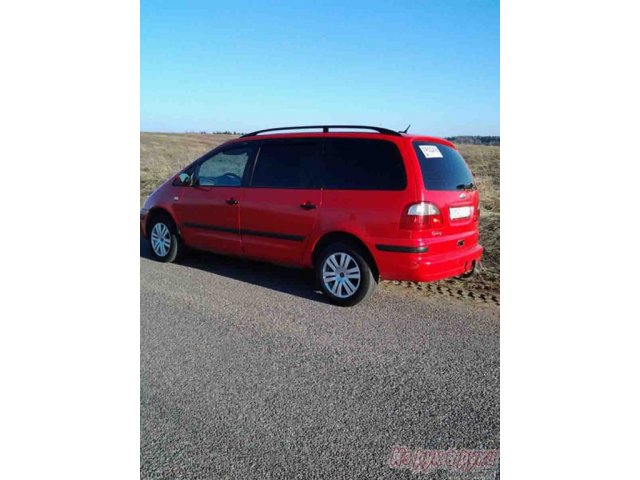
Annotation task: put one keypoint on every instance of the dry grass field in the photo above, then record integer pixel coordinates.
(162, 154)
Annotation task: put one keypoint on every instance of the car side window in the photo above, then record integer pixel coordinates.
(224, 169)
(288, 164)
(363, 164)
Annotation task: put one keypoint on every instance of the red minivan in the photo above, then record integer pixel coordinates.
(355, 203)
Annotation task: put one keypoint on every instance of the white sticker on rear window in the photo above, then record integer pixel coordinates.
(430, 151)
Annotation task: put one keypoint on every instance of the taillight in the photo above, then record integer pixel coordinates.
(476, 214)
(421, 216)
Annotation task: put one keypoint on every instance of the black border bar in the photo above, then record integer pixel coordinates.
(253, 233)
(401, 249)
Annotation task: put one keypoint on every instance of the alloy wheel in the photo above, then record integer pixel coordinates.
(160, 239)
(341, 275)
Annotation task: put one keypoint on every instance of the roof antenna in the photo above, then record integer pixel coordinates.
(406, 129)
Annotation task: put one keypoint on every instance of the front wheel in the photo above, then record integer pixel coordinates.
(344, 275)
(164, 240)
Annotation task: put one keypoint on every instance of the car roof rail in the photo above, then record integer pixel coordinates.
(325, 129)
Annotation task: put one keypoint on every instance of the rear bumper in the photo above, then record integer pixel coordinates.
(425, 267)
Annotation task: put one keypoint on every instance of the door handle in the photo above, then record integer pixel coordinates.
(308, 206)
(231, 201)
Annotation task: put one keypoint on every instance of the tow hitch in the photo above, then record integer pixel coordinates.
(470, 273)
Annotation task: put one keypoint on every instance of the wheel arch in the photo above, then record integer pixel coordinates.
(341, 236)
(156, 212)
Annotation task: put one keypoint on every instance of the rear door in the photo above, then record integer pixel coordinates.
(449, 184)
(207, 211)
(281, 204)
(365, 187)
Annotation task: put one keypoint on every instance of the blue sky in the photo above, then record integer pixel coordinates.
(235, 65)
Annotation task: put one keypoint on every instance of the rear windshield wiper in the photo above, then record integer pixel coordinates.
(465, 186)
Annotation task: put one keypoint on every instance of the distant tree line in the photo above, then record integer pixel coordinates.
(226, 132)
(216, 132)
(475, 140)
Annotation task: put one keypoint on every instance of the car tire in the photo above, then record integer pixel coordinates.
(163, 239)
(345, 274)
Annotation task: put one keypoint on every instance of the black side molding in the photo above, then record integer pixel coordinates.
(279, 236)
(254, 233)
(211, 227)
(401, 249)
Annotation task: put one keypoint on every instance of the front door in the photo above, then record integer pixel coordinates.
(208, 211)
(280, 205)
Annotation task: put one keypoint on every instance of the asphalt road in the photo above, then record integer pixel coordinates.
(246, 372)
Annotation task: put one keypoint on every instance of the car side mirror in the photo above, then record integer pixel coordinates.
(185, 179)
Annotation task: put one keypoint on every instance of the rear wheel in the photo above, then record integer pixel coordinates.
(164, 240)
(344, 274)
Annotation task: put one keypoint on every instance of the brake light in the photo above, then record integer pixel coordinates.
(421, 216)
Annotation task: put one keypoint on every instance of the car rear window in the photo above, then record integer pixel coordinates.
(443, 168)
(363, 164)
